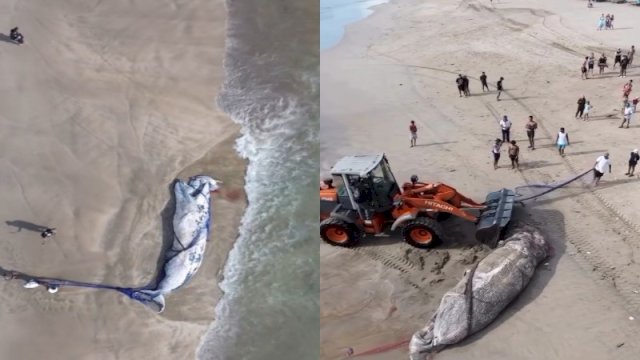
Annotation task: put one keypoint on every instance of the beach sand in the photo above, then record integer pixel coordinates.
(400, 64)
(102, 108)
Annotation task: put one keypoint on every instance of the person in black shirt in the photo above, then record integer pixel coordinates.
(460, 83)
(581, 102)
(623, 65)
(633, 161)
(466, 85)
(499, 86)
(618, 57)
(483, 80)
(602, 63)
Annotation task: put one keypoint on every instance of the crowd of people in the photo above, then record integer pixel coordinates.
(603, 163)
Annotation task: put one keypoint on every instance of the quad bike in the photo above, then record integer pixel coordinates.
(363, 198)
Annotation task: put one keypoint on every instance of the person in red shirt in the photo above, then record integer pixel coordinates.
(414, 133)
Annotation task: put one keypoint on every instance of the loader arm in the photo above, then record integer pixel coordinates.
(435, 205)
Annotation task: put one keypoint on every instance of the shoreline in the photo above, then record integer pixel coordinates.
(397, 76)
(346, 23)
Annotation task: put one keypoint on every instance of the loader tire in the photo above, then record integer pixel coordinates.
(422, 233)
(339, 233)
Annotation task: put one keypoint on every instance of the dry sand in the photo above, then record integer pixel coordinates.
(103, 106)
(400, 64)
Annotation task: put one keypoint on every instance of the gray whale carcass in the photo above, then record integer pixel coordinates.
(483, 292)
(191, 223)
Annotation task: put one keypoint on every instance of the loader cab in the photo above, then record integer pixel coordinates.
(364, 183)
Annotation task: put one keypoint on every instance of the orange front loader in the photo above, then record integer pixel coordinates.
(363, 198)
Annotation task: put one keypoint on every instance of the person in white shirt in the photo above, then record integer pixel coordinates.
(505, 126)
(587, 108)
(601, 165)
(562, 140)
(496, 153)
(628, 113)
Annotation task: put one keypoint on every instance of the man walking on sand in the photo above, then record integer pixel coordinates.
(628, 113)
(531, 127)
(581, 102)
(633, 161)
(505, 126)
(632, 52)
(514, 152)
(623, 66)
(617, 58)
(466, 85)
(499, 86)
(626, 90)
(599, 168)
(413, 129)
(460, 84)
(495, 150)
(483, 80)
(591, 62)
(583, 69)
(562, 140)
(602, 63)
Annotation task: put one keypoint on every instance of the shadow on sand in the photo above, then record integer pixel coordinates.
(7, 39)
(167, 241)
(26, 225)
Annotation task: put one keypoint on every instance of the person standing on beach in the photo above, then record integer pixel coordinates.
(460, 83)
(466, 85)
(413, 129)
(591, 63)
(611, 22)
(495, 150)
(632, 53)
(514, 152)
(581, 102)
(562, 140)
(505, 126)
(618, 57)
(587, 109)
(633, 161)
(483, 80)
(624, 62)
(531, 127)
(626, 90)
(601, 22)
(600, 167)
(499, 86)
(628, 113)
(583, 69)
(602, 63)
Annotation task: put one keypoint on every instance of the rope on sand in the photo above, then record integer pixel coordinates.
(383, 348)
(49, 282)
(550, 187)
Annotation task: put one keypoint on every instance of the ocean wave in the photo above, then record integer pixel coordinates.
(271, 284)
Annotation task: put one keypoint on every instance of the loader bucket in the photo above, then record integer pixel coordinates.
(496, 216)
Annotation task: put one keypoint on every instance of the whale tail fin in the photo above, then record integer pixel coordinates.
(152, 299)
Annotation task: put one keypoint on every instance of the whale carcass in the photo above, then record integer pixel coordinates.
(483, 293)
(190, 233)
